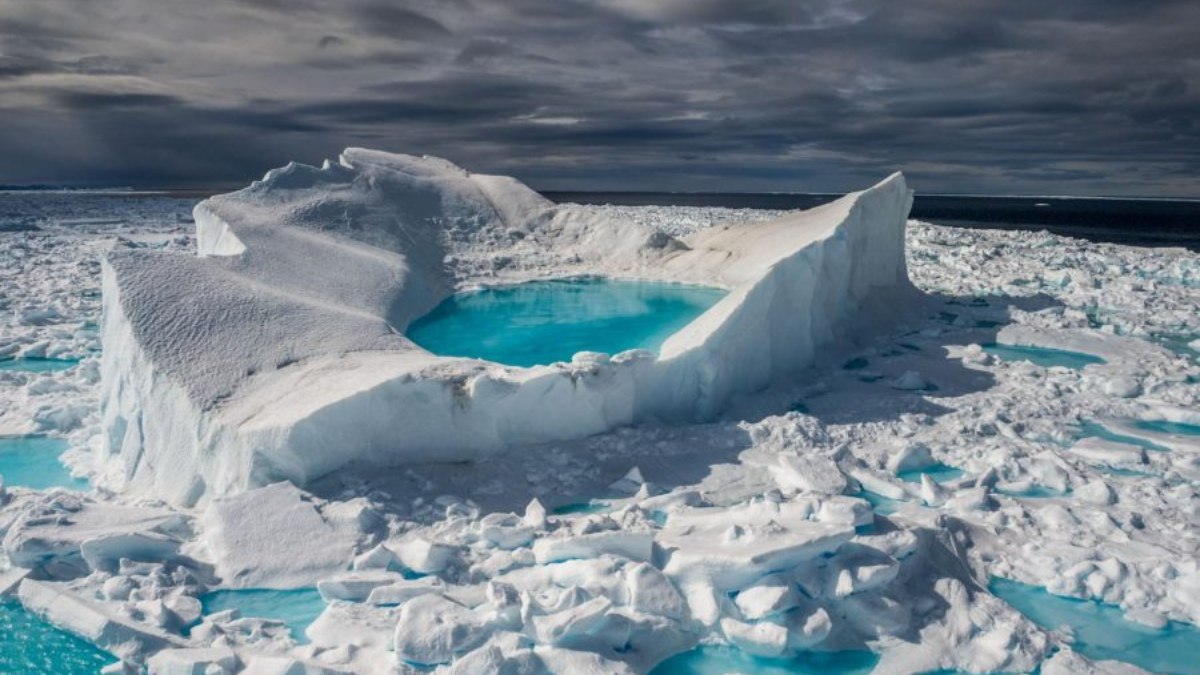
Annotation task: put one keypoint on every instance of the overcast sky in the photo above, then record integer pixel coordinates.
(988, 96)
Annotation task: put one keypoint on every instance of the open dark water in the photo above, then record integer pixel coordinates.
(1136, 222)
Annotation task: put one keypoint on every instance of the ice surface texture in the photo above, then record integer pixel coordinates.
(279, 352)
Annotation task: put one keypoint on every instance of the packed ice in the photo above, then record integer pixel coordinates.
(247, 422)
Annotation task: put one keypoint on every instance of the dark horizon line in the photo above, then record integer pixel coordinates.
(233, 187)
(917, 193)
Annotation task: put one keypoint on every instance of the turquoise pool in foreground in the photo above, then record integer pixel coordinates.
(38, 365)
(543, 322)
(297, 608)
(1101, 632)
(32, 461)
(30, 645)
(723, 660)
(1042, 356)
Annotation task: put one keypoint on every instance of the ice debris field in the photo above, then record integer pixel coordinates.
(324, 429)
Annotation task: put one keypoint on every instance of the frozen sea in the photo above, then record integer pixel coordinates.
(1037, 422)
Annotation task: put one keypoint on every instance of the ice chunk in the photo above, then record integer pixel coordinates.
(1122, 386)
(873, 482)
(275, 537)
(582, 619)
(1105, 452)
(422, 555)
(282, 665)
(378, 558)
(432, 629)
(911, 457)
(52, 530)
(193, 661)
(1096, 492)
(763, 638)
(769, 596)
(104, 552)
(632, 545)
(729, 547)
(535, 514)
(89, 620)
(807, 629)
(505, 530)
(11, 578)
(402, 591)
(558, 661)
(809, 474)
(356, 586)
(932, 493)
(652, 592)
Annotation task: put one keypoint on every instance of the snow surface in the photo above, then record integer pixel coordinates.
(278, 352)
(1072, 481)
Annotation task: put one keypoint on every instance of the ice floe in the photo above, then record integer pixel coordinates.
(832, 521)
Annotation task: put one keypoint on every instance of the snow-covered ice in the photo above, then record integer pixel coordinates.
(865, 501)
(248, 364)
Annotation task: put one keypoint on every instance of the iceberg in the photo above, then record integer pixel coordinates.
(278, 351)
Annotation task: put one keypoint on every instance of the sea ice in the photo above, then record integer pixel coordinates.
(248, 365)
(752, 525)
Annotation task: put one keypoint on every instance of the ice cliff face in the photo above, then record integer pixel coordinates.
(279, 351)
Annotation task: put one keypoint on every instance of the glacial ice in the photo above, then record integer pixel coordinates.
(248, 365)
(1073, 480)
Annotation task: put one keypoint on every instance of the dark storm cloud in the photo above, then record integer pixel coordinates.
(991, 96)
(382, 18)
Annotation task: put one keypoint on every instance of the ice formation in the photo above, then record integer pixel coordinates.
(820, 513)
(278, 352)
